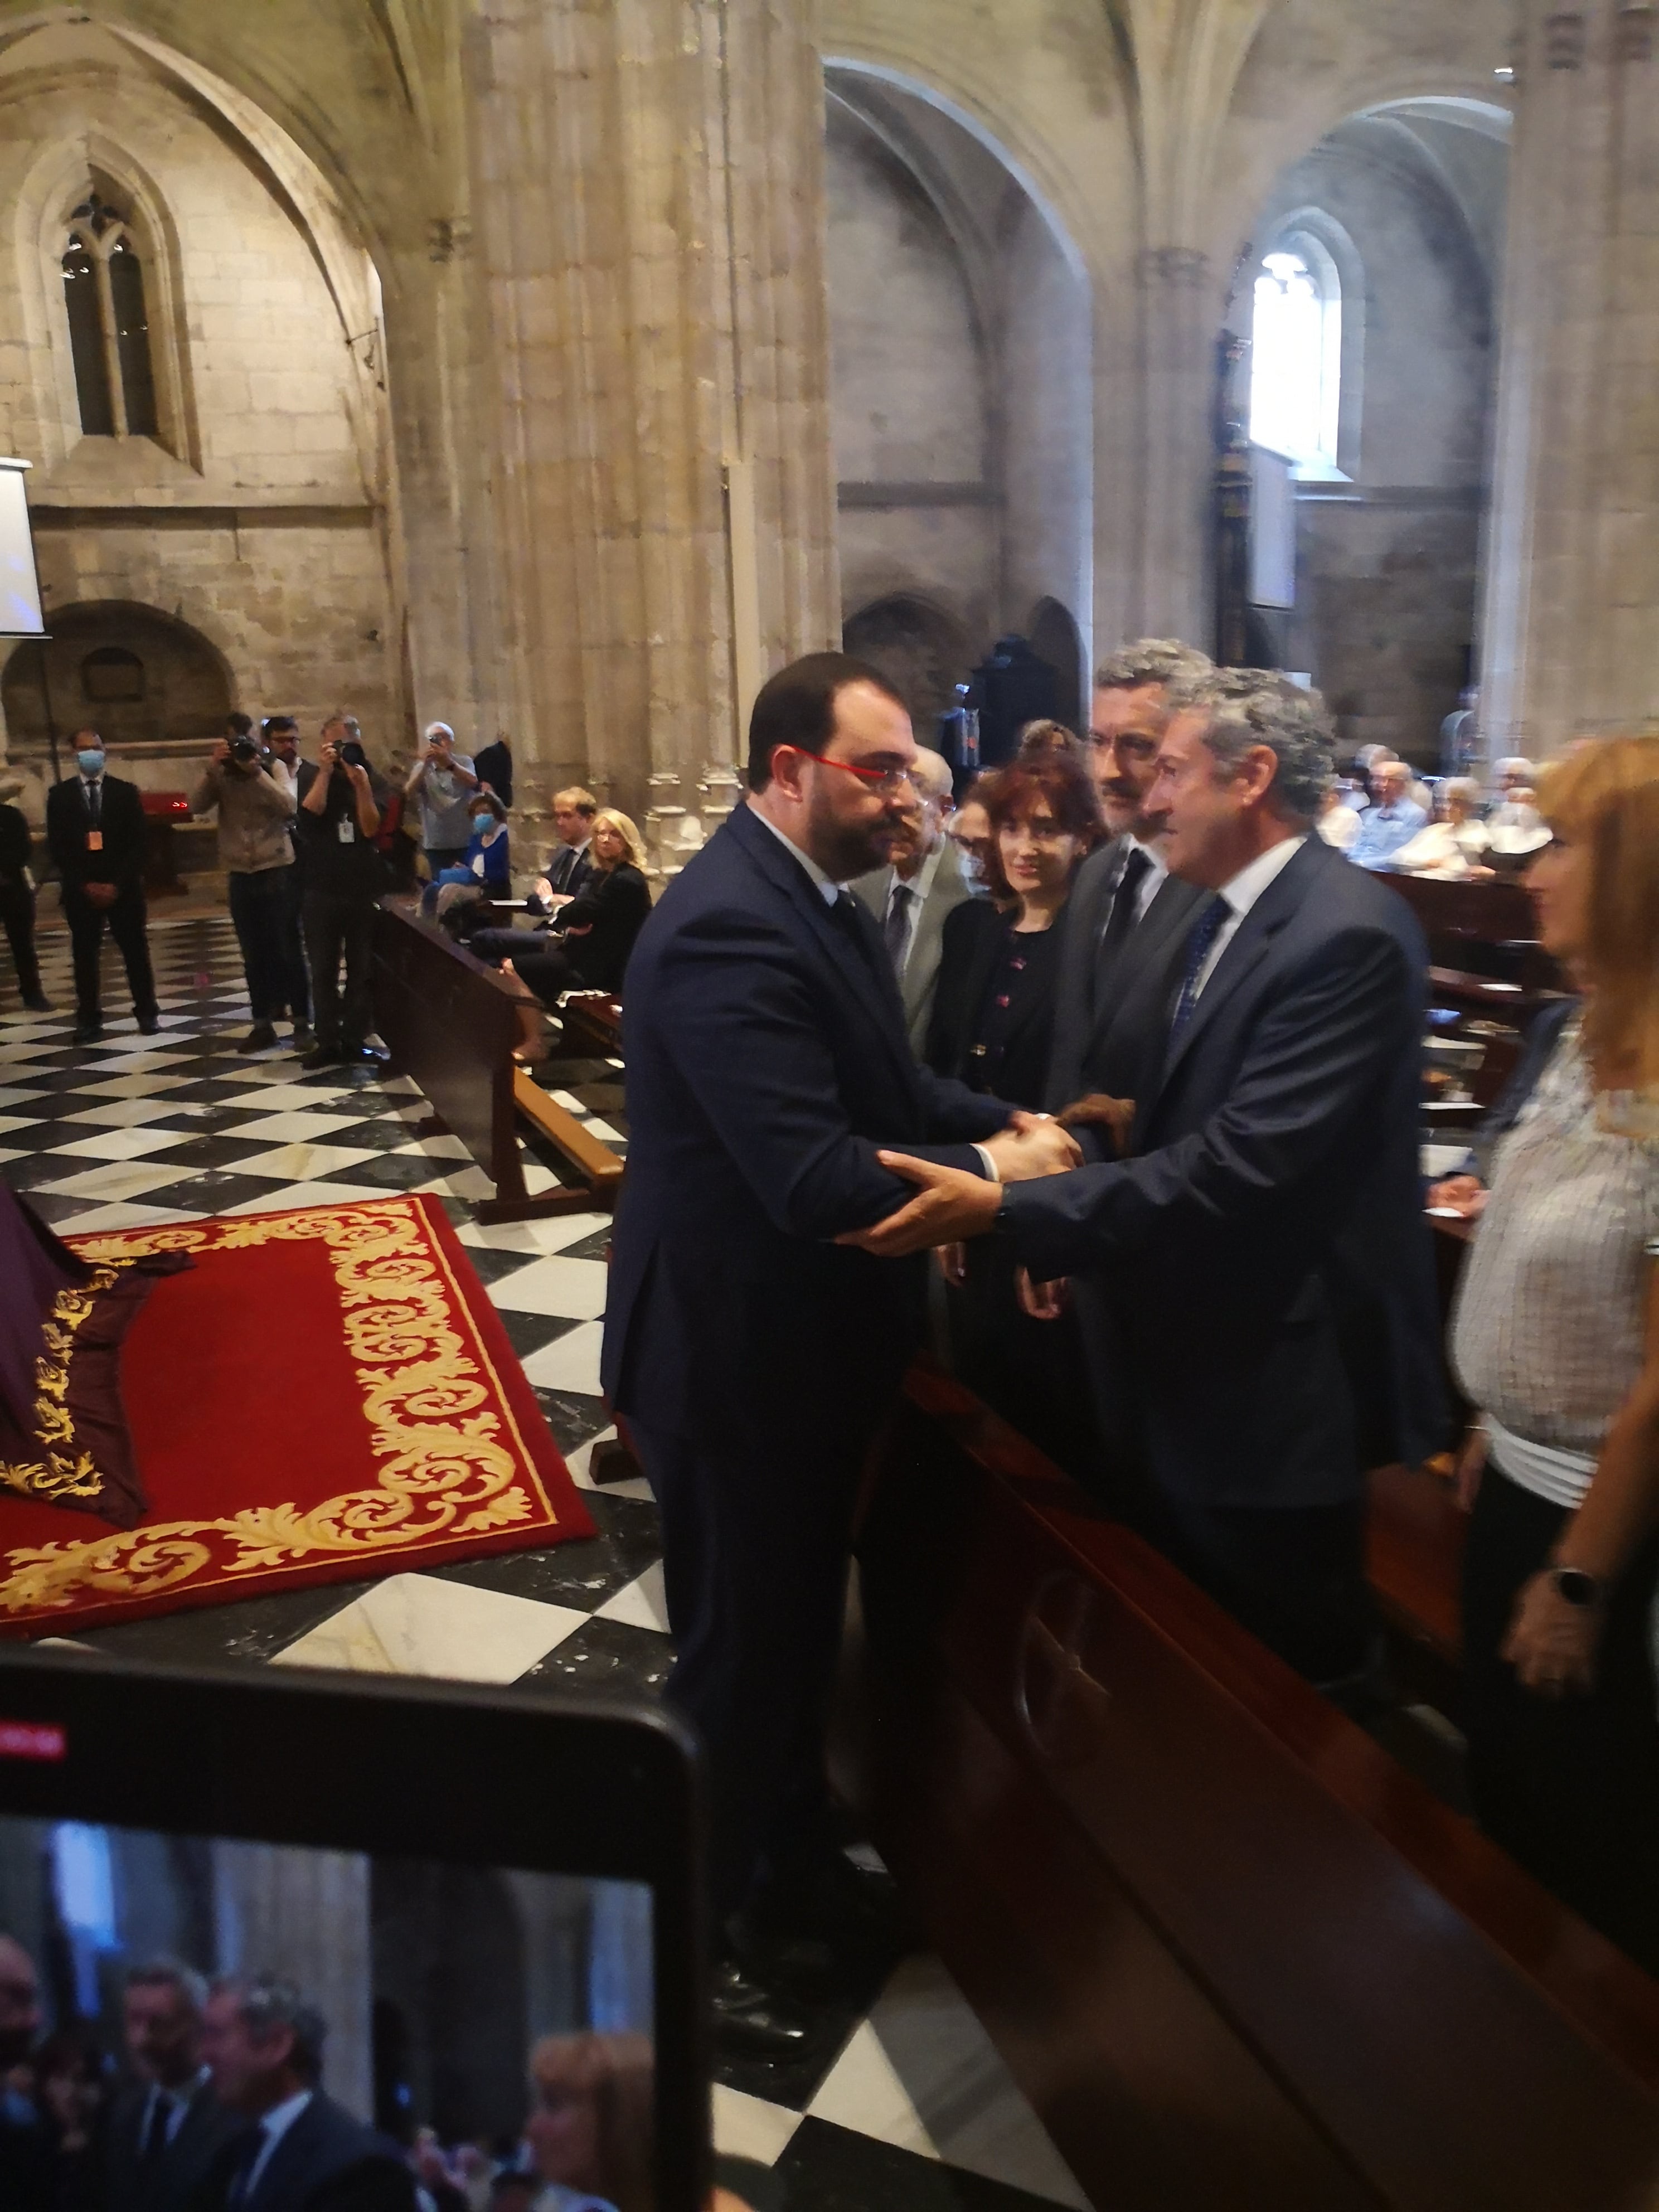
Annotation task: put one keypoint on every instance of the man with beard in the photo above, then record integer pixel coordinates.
(169, 2129)
(24, 2165)
(754, 1360)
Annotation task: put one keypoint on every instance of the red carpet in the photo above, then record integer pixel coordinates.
(326, 1396)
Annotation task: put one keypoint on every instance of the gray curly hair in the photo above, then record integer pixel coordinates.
(1152, 660)
(269, 2002)
(1256, 707)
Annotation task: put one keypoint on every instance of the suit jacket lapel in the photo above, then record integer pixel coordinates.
(871, 982)
(1246, 947)
(1147, 942)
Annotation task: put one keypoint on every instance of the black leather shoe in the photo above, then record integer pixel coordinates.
(36, 1004)
(88, 1032)
(832, 1900)
(302, 1039)
(322, 1055)
(749, 2021)
(260, 1038)
(149, 1024)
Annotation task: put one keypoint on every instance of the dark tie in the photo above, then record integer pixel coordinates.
(562, 866)
(156, 2130)
(248, 2147)
(1199, 941)
(895, 935)
(95, 800)
(1125, 902)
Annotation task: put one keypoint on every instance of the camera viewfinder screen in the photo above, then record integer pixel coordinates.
(192, 2024)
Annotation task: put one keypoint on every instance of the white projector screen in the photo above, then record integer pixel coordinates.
(20, 588)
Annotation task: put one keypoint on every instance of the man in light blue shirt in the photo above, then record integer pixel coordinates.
(1393, 821)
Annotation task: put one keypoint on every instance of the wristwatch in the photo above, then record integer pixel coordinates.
(1574, 1587)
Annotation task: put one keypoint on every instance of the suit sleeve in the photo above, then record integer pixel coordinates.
(61, 841)
(1334, 1035)
(736, 1017)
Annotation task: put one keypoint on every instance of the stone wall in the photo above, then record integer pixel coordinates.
(255, 520)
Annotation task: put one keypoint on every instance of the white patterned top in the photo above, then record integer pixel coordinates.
(1549, 1334)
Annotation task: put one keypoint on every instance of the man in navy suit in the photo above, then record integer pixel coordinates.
(755, 1358)
(1262, 1254)
(298, 2151)
(96, 835)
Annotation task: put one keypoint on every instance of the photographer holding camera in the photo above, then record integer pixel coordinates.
(442, 782)
(254, 812)
(336, 825)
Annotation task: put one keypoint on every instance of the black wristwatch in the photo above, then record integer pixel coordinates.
(1574, 1587)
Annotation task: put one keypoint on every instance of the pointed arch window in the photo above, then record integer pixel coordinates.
(109, 325)
(1296, 359)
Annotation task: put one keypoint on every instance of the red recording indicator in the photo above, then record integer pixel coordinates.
(37, 1740)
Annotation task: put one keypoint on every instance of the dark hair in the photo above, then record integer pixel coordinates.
(268, 2003)
(483, 795)
(273, 723)
(1060, 778)
(240, 726)
(796, 706)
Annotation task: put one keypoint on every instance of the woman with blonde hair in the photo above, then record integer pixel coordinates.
(1556, 1338)
(585, 945)
(591, 2128)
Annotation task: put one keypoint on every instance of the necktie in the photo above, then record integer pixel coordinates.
(95, 800)
(1125, 902)
(897, 934)
(155, 2130)
(1199, 941)
(248, 2148)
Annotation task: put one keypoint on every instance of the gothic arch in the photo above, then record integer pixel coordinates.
(184, 691)
(1056, 639)
(920, 649)
(1332, 245)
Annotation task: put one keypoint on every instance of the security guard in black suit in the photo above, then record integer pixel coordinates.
(95, 834)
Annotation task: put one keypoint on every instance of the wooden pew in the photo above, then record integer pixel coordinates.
(1235, 1955)
(591, 1022)
(450, 1022)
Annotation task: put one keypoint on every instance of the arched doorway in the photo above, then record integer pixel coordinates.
(921, 651)
(1056, 639)
(142, 676)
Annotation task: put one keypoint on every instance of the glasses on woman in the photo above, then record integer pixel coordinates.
(886, 781)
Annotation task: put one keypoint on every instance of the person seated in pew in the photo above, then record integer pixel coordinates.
(1338, 823)
(1451, 848)
(487, 865)
(1555, 1337)
(584, 945)
(1391, 822)
(1465, 1191)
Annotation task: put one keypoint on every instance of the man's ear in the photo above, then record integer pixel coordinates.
(1258, 765)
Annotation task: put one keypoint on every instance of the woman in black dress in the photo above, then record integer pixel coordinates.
(588, 944)
(993, 1026)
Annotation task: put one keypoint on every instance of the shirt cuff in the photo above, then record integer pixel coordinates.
(989, 1163)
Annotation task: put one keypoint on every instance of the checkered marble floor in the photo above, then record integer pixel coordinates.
(903, 2105)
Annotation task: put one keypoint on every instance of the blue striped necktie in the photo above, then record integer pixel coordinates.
(1201, 938)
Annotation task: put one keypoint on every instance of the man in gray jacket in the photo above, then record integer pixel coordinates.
(912, 894)
(255, 812)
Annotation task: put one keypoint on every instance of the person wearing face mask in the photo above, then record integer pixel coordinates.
(970, 830)
(96, 835)
(485, 865)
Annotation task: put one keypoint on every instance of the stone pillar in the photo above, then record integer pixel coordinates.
(1571, 626)
(1179, 320)
(648, 213)
(304, 1915)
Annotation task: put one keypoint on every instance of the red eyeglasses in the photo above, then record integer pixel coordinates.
(887, 781)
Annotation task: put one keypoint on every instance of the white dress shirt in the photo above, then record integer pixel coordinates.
(1241, 893)
(274, 2126)
(1152, 882)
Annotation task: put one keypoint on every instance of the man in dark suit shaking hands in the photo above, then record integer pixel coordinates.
(1263, 1250)
(169, 2131)
(95, 834)
(755, 1359)
(296, 2149)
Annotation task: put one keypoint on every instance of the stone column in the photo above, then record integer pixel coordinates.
(649, 215)
(304, 1915)
(1571, 627)
(1179, 320)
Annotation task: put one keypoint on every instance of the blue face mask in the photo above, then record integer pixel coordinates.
(92, 760)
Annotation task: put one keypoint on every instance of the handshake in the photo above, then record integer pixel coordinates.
(951, 1205)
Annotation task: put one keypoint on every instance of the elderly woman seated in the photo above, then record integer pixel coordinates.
(1453, 847)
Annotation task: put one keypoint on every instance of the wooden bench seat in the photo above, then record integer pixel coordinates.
(1233, 1953)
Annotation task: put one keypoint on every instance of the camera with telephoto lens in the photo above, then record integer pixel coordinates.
(244, 750)
(353, 754)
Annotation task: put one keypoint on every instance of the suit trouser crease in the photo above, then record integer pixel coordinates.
(756, 1548)
(296, 980)
(340, 926)
(126, 919)
(258, 909)
(17, 910)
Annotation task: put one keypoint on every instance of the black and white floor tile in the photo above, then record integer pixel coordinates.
(903, 2108)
